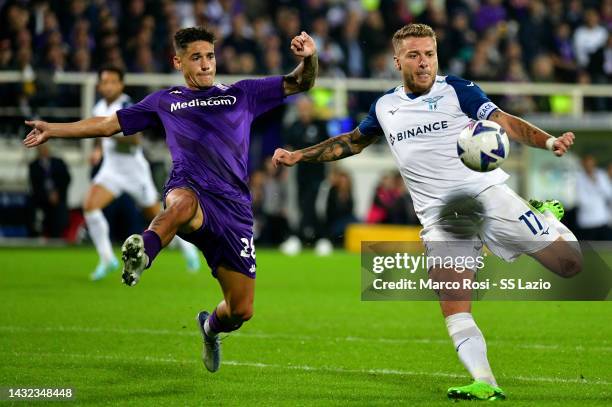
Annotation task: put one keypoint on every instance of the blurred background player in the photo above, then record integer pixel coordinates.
(124, 169)
(421, 121)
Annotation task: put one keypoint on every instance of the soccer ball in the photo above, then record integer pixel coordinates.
(483, 145)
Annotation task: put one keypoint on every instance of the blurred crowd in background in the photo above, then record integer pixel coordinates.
(490, 40)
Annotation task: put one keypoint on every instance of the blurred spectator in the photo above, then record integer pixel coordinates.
(49, 180)
(607, 59)
(564, 59)
(81, 60)
(354, 58)
(373, 38)
(6, 55)
(275, 226)
(240, 37)
(392, 203)
(489, 14)
(589, 37)
(306, 131)
(339, 208)
(606, 14)
(542, 71)
(593, 197)
(535, 31)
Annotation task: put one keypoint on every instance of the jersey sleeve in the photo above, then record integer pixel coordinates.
(139, 116)
(370, 126)
(473, 101)
(263, 94)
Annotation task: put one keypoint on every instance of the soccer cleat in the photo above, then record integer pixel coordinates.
(102, 269)
(478, 390)
(555, 207)
(211, 352)
(134, 260)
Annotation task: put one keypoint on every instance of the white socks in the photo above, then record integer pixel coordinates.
(209, 332)
(98, 231)
(470, 346)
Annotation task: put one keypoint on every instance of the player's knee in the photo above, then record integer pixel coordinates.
(242, 312)
(89, 206)
(571, 265)
(184, 207)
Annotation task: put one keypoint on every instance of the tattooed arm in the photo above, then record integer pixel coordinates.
(303, 76)
(336, 148)
(526, 133)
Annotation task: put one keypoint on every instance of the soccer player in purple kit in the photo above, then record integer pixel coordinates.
(206, 199)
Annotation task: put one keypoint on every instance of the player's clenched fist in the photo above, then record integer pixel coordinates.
(562, 144)
(303, 45)
(38, 135)
(284, 157)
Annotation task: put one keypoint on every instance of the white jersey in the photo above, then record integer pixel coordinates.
(422, 132)
(118, 155)
(124, 168)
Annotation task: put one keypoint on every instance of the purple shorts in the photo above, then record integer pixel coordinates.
(226, 235)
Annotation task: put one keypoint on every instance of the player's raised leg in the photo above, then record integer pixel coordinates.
(182, 213)
(189, 251)
(563, 256)
(235, 309)
(467, 339)
(98, 197)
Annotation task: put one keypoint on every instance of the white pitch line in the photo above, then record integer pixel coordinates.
(260, 335)
(305, 368)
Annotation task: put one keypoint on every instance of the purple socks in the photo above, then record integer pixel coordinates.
(152, 245)
(218, 326)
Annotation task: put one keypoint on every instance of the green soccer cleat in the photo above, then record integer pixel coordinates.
(478, 390)
(555, 207)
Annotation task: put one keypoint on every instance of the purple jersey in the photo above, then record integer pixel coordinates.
(207, 131)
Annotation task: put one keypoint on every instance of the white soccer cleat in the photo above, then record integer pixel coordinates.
(103, 269)
(134, 260)
(323, 247)
(291, 246)
(211, 351)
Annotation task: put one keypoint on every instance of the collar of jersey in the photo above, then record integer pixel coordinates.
(409, 96)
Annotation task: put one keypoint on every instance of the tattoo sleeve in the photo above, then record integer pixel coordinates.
(521, 130)
(342, 146)
(303, 76)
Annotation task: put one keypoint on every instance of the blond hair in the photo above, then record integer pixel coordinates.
(412, 30)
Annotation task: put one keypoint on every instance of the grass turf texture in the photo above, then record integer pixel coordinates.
(311, 342)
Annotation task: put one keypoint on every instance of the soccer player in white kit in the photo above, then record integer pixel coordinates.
(421, 120)
(124, 169)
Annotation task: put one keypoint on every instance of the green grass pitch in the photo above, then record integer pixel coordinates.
(311, 342)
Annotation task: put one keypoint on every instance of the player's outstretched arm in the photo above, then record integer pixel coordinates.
(91, 127)
(303, 76)
(336, 148)
(526, 133)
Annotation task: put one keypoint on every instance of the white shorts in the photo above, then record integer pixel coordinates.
(510, 228)
(130, 175)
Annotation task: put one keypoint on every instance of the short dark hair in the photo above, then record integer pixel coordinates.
(111, 68)
(186, 36)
